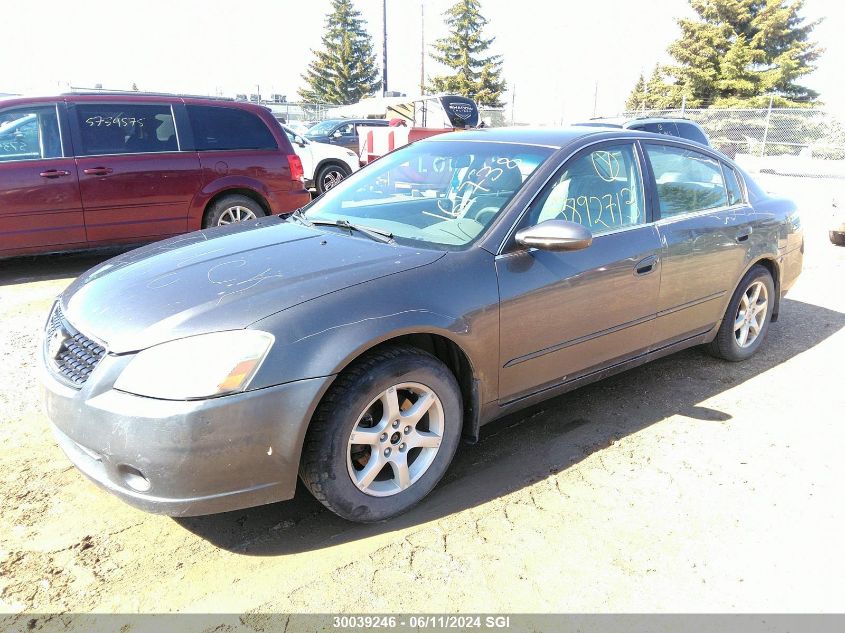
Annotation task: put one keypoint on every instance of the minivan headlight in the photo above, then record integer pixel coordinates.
(200, 366)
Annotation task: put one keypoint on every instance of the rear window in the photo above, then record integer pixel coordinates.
(125, 128)
(220, 128)
(661, 127)
(692, 133)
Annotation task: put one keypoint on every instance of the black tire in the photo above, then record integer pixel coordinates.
(726, 345)
(326, 463)
(837, 238)
(214, 216)
(329, 175)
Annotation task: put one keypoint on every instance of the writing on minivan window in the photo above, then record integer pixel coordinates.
(116, 121)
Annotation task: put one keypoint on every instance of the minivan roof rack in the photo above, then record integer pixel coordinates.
(96, 91)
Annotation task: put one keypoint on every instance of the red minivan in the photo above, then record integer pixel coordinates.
(88, 169)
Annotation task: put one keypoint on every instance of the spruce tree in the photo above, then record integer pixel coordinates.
(344, 71)
(637, 98)
(474, 74)
(741, 52)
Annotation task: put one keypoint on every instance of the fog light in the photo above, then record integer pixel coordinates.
(134, 478)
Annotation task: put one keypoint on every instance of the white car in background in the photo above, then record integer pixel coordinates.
(324, 165)
(837, 222)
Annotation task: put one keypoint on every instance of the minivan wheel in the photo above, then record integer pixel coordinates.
(748, 316)
(329, 176)
(232, 209)
(383, 435)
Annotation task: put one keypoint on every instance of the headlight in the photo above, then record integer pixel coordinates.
(196, 367)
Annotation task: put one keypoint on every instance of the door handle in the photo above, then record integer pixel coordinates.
(647, 265)
(97, 171)
(743, 234)
(54, 173)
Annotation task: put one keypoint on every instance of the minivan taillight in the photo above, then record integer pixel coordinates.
(296, 171)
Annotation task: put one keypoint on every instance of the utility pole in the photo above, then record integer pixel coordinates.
(595, 98)
(422, 47)
(384, 48)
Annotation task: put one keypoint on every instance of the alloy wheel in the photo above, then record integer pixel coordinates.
(751, 314)
(235, 213)
(331, 179)
(395, 439)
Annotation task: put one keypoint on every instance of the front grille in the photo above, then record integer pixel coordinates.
(70, 354)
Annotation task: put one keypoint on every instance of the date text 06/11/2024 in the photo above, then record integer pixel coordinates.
(422, 621)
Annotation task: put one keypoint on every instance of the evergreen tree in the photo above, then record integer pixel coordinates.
(475, 74)
(739, 52)
(344, 71)
(637, 98)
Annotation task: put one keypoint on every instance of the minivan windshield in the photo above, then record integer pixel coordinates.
(442, 193)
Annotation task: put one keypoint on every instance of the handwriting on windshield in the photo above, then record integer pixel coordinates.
(476, 182)
(113, 121)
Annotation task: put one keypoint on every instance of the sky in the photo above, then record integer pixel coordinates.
(564, 60)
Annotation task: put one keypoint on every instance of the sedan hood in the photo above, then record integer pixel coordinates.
(223, 279)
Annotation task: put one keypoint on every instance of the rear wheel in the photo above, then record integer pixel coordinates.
(232, 209)
(837, 238)
(748, 316)
(384, 434)
(329, 176)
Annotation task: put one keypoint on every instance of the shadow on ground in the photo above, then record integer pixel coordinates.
(33, 268)
(533, 444)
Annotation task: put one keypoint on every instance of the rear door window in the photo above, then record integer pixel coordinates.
(734, 188)
(222, 128)
(29, 133)
(687, 181)
(124, 128)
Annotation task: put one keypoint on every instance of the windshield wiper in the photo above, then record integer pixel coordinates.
(376, 234)
(299, 217)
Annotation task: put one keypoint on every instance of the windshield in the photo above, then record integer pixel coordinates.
(321, 129)
(443, 193)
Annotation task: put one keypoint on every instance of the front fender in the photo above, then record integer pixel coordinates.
(322, 336)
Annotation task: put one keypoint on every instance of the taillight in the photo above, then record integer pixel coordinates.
(295, 165)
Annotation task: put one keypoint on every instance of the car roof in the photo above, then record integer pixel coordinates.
(130, 97)
(542, 136)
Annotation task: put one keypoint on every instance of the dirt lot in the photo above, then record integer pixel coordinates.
(686, 485)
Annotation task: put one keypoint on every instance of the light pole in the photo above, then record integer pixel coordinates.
(384, 48)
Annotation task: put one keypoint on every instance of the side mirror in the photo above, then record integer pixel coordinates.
(299, 140)
(555, 235)
(337, 134)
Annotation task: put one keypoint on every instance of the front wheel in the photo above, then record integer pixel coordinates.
(383, 435)
(329, 176)
(837, 237)
(747, 319)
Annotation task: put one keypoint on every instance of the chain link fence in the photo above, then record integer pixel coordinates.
(790, 141)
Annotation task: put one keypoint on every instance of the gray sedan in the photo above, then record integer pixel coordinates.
(355, 342)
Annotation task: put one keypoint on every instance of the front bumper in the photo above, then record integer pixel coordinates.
(183, 458)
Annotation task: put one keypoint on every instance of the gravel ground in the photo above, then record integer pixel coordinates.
(686, 485)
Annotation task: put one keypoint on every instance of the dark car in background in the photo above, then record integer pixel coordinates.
(682, 128)
(93, 169)
(343, 132)
(453, 281)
